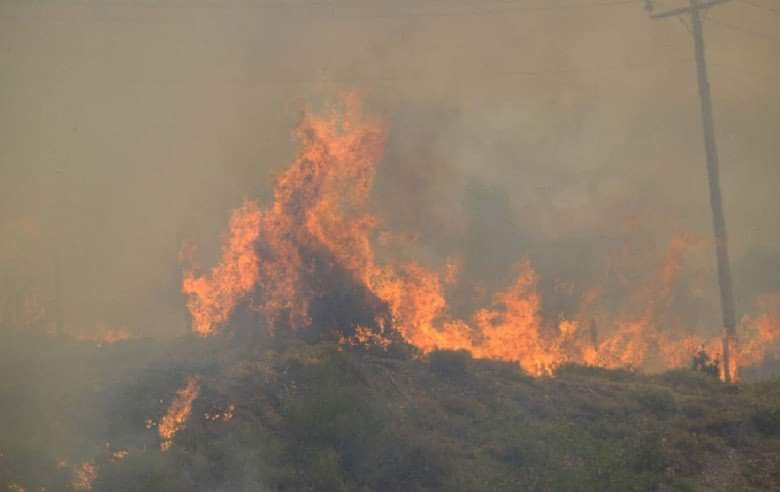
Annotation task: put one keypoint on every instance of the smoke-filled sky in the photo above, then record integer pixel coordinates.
(563, 131)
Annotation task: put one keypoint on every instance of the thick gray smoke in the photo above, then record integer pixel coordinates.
(552, 131)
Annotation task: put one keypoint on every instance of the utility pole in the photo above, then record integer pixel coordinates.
(694, 9)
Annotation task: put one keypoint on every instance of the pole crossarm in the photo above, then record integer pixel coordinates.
(687, 10)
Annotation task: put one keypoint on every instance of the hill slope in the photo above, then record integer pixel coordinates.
(286, 414)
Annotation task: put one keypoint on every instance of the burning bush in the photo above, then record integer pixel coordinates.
(307, 262)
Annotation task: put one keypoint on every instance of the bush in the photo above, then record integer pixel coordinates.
(619, 374)
(695, 409)
(502, 369)
(657, 400)
(422, 467)
(690, 380)
(450, 363)
(767, 421)
(325, 470)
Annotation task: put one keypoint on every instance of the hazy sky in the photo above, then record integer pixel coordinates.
(557, 130)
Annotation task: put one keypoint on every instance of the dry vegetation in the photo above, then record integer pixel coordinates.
(317, 416)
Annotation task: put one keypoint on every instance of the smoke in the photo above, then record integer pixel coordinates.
(511, 134)
(543, 130)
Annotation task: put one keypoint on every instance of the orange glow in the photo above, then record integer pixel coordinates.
(104, 335)
(364, 336)
(178, 413)
(83, 476)
(119, 455)
(452, 271)
(211, 298)
(224, 416)
(315, 242)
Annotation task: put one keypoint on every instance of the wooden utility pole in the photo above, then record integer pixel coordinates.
(694, 9)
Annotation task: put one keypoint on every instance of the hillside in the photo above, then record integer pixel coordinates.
(286, 414)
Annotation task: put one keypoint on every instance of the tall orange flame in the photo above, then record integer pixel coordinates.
(313, 247)
(212, 298)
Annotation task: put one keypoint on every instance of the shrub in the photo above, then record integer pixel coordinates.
(450, 363)
(619, 374)
(767, 421)
(694, 409)
(690, 380)
(502, 369)
(325, 470)
(423, 467)
(657, 400)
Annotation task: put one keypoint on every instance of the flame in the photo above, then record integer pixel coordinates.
(309, 258)
(224, 416)
(759, 335)
(119, 455)
(364, 336)
(103, 335)
(212, 298)
(452, 270)
(178, 413)
(83, 476)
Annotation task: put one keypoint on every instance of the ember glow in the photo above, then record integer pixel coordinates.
(83, 476)
(225, 415)
(103, 335)
(178, 413)
(308, 259)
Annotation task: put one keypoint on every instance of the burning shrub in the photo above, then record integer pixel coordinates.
(702, 362)
(307, 262)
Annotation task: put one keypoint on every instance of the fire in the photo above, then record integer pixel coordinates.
(212, 298)
(510, 330)
(178, 413)
(83, 476)
(759, 335)
(309, 258)
(104, 335)
(452, 271)
(364, 336)
(224, 416)
(112, 336)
